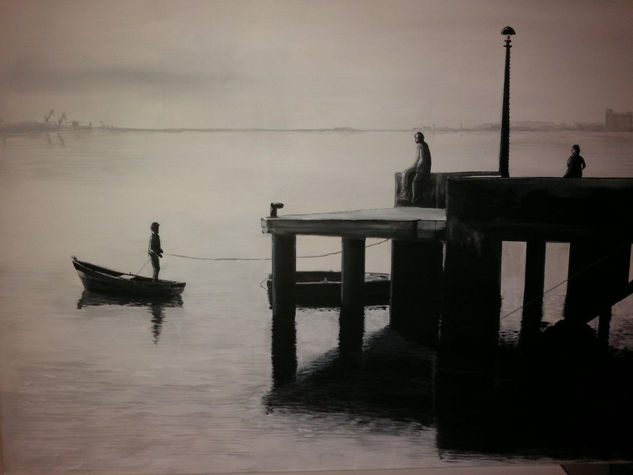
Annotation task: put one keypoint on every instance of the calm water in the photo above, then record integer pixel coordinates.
(119, 386)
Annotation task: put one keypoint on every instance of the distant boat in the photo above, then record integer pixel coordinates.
(100, 279)
(323, 288)
(77, 126)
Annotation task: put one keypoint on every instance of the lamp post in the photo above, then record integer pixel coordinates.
(504, 149)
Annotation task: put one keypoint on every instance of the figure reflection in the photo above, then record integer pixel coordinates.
(155, 305)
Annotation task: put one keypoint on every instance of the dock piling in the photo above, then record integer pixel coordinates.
(416, 286)
(351, 318)
(284, 353)
(533, 291)
(472, 301)
(598, 271)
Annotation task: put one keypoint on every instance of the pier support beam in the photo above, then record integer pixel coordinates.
(472, 298)
(284, 338)
(351, 318)
(598, 272)
(604, 327)
(533, 292)
(416, 288)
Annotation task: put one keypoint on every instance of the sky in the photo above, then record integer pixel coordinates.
(313, 64)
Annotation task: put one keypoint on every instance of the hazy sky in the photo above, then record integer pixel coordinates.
(391, 63)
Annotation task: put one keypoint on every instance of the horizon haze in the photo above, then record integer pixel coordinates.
(285, 64)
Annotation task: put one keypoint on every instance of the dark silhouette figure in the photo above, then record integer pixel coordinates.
(575, 164)
(413, 178)
(155, 252)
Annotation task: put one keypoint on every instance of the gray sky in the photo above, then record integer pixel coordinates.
(392, 64)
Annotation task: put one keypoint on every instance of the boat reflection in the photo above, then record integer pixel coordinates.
(155, 305)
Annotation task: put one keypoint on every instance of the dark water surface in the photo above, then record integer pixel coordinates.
(96, 384)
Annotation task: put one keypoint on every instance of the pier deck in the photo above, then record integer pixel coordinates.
(394, 223)
(446, 263)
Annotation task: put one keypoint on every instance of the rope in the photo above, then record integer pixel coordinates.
(139, 271)
(262, 258)
(581, 271)
(219, 258)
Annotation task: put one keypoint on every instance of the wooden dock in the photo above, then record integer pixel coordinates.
(394, 223)
(447, 262)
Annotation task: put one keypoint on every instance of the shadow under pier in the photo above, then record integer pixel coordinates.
(550, 404)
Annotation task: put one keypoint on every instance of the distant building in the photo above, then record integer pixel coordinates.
(617, 121)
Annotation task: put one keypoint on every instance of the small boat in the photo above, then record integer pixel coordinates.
(100, 279)
(323, 288)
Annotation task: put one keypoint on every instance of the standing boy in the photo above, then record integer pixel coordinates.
(155, 252)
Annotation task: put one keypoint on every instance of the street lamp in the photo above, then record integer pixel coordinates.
(504, 149)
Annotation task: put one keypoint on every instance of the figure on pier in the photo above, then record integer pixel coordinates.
(415, 177)
(575, 163)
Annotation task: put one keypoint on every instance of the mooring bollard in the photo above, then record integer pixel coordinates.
(273, 209)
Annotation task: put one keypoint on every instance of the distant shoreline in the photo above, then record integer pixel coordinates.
(484, 128)
(526, 127)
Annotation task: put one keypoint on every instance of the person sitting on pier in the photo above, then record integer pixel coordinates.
(575, 163)
(154, 250)
(413, 178)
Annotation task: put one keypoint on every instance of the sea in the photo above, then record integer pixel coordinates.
(92, 385)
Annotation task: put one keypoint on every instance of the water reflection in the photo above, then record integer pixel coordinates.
(284, 341)
(155, 305)
(563, 398)
(392, 377)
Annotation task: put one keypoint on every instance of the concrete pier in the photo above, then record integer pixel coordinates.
(405, 225)
(454, 255)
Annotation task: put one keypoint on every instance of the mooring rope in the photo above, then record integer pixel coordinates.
(573, 276)
(534, 299)
(139, 271)
(183, 256)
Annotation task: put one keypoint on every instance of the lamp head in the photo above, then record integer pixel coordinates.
(509, 31)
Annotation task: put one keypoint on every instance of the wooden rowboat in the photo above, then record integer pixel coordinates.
(323, 288)
(100, 279)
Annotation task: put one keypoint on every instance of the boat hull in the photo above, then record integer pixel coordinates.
(323, 288)
(99, 279)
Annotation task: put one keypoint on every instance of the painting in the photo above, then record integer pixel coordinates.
(289, 236)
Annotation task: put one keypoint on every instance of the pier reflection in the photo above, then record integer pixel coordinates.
(284, 341)
(565, 398)
(155, 305)
(284, 351)
(391, 377)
